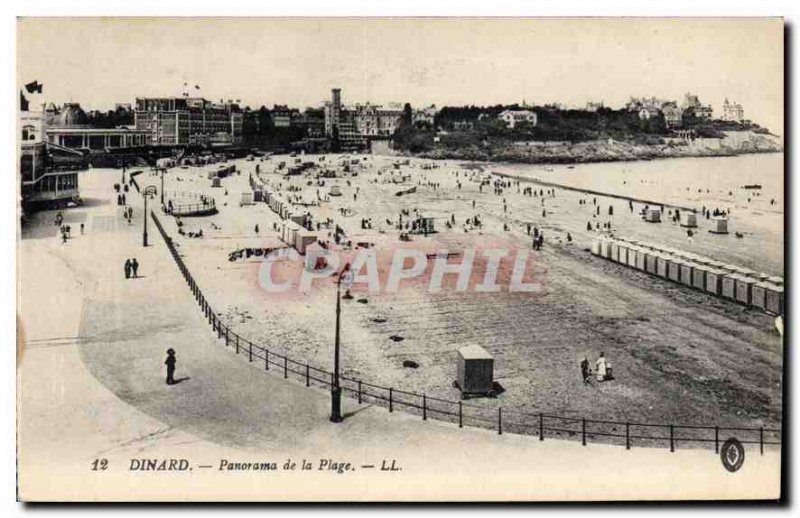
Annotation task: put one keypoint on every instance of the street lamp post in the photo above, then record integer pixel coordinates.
(150, 190)
(162, 186)
(336, 389)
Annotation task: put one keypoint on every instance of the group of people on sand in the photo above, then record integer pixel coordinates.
(602, 369)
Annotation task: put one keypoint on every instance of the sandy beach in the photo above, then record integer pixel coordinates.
(679, 355)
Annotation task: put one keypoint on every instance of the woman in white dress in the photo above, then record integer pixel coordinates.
(600, 367)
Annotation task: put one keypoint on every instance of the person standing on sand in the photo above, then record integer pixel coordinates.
(585, 370)
(170, 363)
(128, 269)
(601, 367)
(135, 267)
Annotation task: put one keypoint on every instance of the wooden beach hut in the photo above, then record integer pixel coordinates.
(662, 265)
(675, 265)
(641, 259)
(615, 251)
(774, 300)
(605, 248)
(778, 281)
(475, 371)
(622, 252)
(633, 253)
(714, 280)
(729, 285)
(699, 276)
(687, 273)
(744, 287)
(758, 296)
(596, 245)
(302, 239)
(651, 262)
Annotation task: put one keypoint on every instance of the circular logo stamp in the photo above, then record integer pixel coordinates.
(732, 454)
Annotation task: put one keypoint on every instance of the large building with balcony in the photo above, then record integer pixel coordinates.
(188, 121)
(48, 173)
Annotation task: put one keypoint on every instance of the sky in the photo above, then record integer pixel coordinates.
(99, 62)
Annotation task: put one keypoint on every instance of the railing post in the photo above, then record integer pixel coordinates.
(460, 415)
(359, 392)
(424, 407)
(761, 439)
(308, 382)
(500, 421)
(391, 405)
(250, 359)
(541, 427)
(266, 359)
(285, 368)
(237, 341)
(227, 336)
(627, 436)
(671, 438)
(583, 431)
(716, 439)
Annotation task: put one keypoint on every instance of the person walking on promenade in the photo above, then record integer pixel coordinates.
(585, 370)
(170, 363)
(128, 269)
(135, 267)
(81, 228)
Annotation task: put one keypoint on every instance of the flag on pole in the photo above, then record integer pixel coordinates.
(34, 87)
(23, 102)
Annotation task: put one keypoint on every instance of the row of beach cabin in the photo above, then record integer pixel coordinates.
(732, 282)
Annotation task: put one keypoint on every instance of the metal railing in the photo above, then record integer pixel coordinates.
(542, 425)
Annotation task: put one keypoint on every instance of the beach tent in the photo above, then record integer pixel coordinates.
(247, 198)
(719, 226)
(688, 219)
(653, 215)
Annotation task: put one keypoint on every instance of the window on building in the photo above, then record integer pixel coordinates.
(29, 133)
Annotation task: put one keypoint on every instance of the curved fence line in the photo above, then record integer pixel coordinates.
(541, 425)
